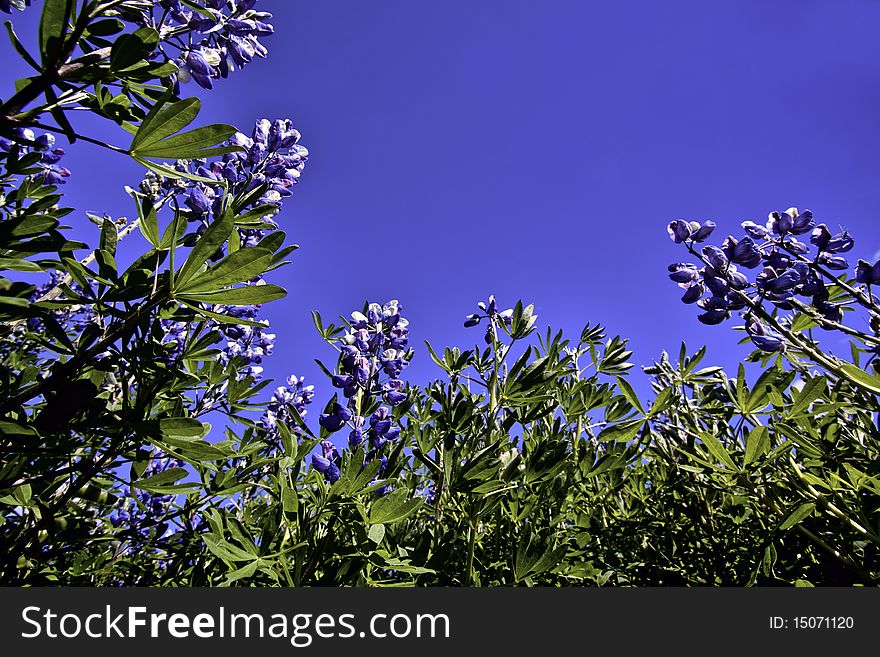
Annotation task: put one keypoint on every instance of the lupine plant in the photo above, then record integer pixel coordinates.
(141, 442)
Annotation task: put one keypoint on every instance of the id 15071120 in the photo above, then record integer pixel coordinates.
(812, 623)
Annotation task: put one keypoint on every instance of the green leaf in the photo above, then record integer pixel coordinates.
(169, 172)
(212, 239)
(630, 394)
(14, 429)
(621, 432)
(226, 319)
(249, 295)
(660, 404)
(861, 377)
(289, 500)
(717, 449)
(242, 573)
(181, 426)
(769, 560)
(196, 450)
(757, 444)
(16, 264)
(797, 515)
(393, 508)
(158, 482)
(164, 121)
(226, 550)
(200, 142)
(19, 47)
(109, 236)
(237, 267)
(376, 533)
(149, 223)
(131, 49)
(53, 27)
(813, 389)
(106, 27)
(760, 394)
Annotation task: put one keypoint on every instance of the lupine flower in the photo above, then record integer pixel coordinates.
(822, 238)
(764, 338)
(9, 5)
(328, 462)
(693, 292)
(491, 313)
(868, 274)
(293, 394)
(833, 261)
(787, 272)
(141, 513)
(840, 243)
(25, 141)
(715, 257)
(754, 230)
(373, 353)
(223, 36)
(745, 253)
(273, 156)
(336, 418)
(683, 272)
(683, 231)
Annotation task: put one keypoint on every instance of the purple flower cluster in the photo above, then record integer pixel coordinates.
(272, 156)
(787, 279)
(295, 395)
(491, 313)
(144, 510)
(230, 36)
(245, 347)
(24, 141)
(373, 353)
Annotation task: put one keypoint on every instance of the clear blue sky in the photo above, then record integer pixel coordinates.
(537, 150)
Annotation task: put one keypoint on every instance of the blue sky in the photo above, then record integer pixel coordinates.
(537, 151)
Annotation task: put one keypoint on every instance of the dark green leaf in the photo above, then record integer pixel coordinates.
(249, 295)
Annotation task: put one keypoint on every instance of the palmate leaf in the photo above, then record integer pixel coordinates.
(159, 134)
(196, 143)
(149, 223)
(237, 267)
(621, 432)
(813, 389)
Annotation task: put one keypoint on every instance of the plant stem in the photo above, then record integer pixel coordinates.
(472, 539)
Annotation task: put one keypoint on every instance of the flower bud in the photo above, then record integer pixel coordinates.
(679, 231)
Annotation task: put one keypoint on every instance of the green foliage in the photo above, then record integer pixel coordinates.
(533, 460)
